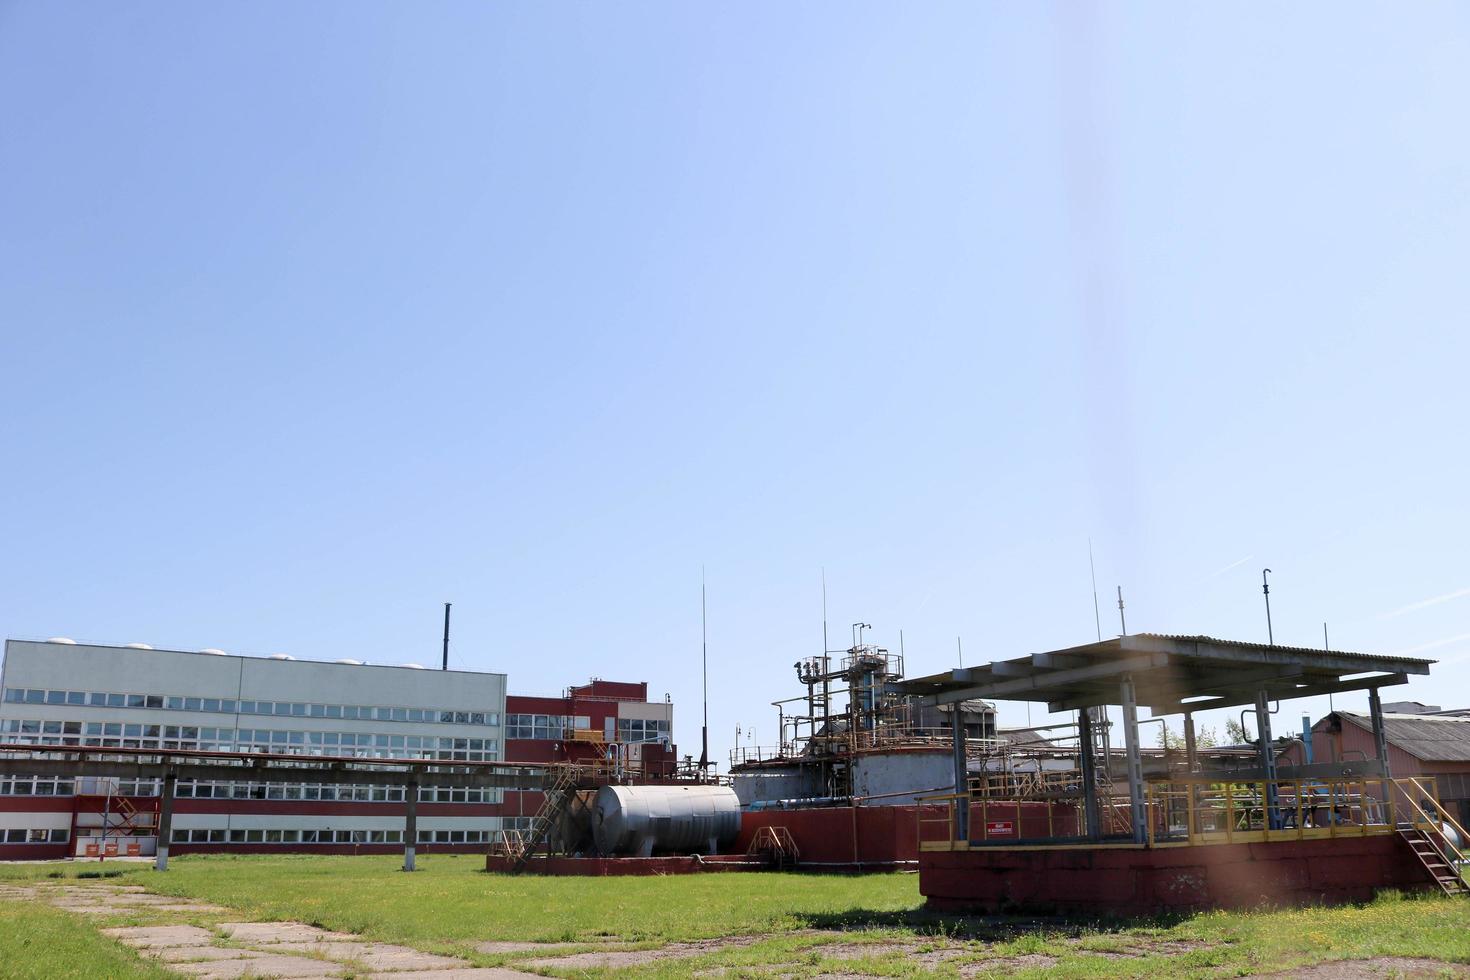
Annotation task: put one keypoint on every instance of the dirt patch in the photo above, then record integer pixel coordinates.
(1008, 964)
(1378, 967)
(858, 951)
(637, 957)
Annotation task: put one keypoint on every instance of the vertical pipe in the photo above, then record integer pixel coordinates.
(410, 823)
(1380, 742)
(1139, 808)
(1307, 758)
(165, 820)
(1088, 764)
(961, 776)
(1268, 759)
(704, 669)
(446, 637)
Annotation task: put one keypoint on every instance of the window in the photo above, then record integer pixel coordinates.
(175, 703)
(76, 697)
(14, 695)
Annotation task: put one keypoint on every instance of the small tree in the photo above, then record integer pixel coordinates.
(1204, 738)
(1236, 732)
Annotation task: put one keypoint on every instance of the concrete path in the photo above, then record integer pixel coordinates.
(229, 949)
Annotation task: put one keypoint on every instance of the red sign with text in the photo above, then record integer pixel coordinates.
(999, 828)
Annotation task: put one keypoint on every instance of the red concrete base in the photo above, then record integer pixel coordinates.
(597, 867)
(1142, 881)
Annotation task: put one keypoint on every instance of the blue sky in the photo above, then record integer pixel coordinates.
(317, 316)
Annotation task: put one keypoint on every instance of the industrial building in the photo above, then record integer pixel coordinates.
(135, 698)
(1422, 741)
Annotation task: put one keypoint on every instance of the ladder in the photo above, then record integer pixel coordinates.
(553, 804)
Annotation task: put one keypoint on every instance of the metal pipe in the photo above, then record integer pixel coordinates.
(1266, 590)
(446, 637)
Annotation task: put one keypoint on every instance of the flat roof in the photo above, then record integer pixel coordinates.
(1171, 674)
(253, 657)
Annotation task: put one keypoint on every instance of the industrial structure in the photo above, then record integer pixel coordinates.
(1185, 838)
(235, 732)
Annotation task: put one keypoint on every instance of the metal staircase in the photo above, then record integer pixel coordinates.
(1425, 833)
(777, 844)
(1440, 859)
(555, 799)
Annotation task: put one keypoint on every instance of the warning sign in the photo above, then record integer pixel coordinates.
(999, 828)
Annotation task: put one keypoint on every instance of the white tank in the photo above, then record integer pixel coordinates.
(679, 819)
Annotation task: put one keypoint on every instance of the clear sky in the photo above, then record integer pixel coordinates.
(316, 316)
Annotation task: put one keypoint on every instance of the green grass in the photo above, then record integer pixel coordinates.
(801, 920)
(38, 942)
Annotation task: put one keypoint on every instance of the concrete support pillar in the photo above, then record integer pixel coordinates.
(1136, 799)
(165, 821)
(961, 775)
(1087, 762)
(1268, 759)
(410, 824)
(1380, 746)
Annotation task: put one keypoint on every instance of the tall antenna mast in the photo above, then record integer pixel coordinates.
(1122, 620)
(825, 645)
(960, 650)
(1327, 648)
(704, 661)
(1266, 591)
(1096, 616)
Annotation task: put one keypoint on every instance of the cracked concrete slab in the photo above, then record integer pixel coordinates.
(284, 967)
(468, 973)
(256, 933)
(374, 956)
(150, 937)
(194, 954)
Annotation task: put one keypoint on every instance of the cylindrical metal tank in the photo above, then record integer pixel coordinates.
(682, 819)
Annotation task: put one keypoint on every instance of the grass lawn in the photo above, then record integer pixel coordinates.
(802, 924)
(38, 942)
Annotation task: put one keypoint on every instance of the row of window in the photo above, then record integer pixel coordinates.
(196, 836)
(359, 794)
(45, 786)
(190, 739)
(544, 726)
(213, 736)
(293, 709)
(642, 730)
(556, 726)
(35, 786)
(22, 836)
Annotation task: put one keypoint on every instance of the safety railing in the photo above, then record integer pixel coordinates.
(1203, 810)
(995, 821)
(1207, 810)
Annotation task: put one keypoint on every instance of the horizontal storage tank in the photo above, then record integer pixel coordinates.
(680, 819)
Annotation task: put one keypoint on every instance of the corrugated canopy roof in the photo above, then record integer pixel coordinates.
(1432, 738)
(1171, 674)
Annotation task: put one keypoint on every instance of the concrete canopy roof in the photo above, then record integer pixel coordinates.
(1171, 674)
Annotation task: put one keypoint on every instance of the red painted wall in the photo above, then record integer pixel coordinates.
(1141, 881)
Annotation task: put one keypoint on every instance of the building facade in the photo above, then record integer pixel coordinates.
(611, 722)
(69, 694)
